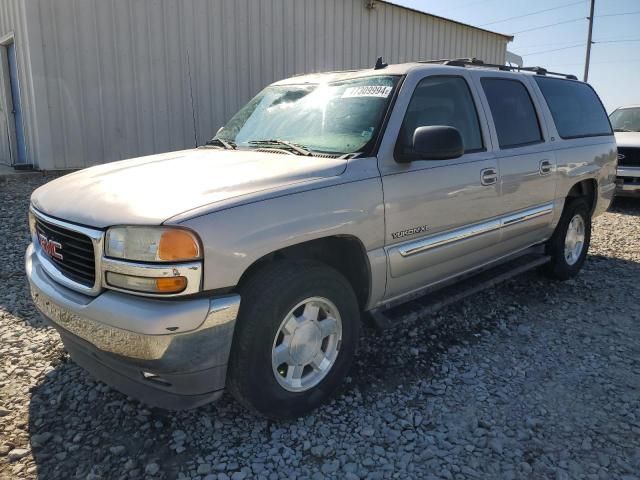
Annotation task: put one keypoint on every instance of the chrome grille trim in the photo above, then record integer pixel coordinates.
(96, 237)
(629, 156)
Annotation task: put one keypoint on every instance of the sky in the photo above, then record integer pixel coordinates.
(615, 57)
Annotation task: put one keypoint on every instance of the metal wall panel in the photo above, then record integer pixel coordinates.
(123, 78)
(13, 23)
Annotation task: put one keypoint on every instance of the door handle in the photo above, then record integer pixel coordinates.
(488, 176)
(545, 167)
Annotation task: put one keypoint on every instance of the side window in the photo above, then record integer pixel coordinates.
(513, 112)
(575, 108)
(443, 100)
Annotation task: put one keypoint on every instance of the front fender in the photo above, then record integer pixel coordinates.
(235, 238)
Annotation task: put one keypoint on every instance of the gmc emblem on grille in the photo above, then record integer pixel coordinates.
(50, 247)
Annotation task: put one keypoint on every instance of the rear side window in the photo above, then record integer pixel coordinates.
(443, 100)
(576, 109)
(513, 112)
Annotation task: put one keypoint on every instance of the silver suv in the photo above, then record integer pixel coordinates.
(247, 263)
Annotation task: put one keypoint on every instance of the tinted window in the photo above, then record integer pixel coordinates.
(443, 100)
(513, 112)
(575, 107)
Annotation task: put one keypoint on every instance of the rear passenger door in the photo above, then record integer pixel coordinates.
(526, 160)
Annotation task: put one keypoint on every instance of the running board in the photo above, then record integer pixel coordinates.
(387, 317)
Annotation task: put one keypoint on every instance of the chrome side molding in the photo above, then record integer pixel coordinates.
(449, 237)
(446, 238)
(530, 214)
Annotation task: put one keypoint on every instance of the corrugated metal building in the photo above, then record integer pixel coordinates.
(91, 81)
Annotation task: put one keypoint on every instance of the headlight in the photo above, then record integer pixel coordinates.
(152, 244)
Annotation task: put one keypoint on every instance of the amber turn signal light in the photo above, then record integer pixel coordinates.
(171, 284)
(176, 244)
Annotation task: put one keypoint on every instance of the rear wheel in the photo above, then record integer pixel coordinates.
(295, 338)
(570, 242)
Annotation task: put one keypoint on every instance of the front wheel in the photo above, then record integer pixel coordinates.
(295, 338)
(570, 242)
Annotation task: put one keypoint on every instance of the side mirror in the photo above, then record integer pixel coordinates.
(437, 142)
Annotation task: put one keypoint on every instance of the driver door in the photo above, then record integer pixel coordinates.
(440, 214)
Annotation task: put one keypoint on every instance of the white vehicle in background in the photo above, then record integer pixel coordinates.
(626, 125)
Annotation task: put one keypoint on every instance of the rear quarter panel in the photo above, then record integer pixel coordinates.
(588, 158)
(580, 159)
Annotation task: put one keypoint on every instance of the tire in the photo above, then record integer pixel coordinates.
(267, 300)
(562, 266)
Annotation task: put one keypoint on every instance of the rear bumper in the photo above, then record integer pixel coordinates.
(176, 370)
(628, 182)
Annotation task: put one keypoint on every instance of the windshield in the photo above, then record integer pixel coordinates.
(338, 118)
(626, 120)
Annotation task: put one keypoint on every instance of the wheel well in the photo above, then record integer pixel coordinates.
(585, 188)
(344, 253)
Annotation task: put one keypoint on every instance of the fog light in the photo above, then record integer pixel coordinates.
(147, 284)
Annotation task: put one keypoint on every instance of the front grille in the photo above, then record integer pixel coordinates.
(78, 260)
(629, 156)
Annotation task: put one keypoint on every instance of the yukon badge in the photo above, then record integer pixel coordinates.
(410, 231)
(50, 247)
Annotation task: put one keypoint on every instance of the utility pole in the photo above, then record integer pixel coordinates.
(589, 42)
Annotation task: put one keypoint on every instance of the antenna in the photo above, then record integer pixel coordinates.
(380, 64)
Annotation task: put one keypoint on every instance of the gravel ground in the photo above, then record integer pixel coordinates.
(531, 379)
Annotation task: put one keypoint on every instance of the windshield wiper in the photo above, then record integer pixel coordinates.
(227, 145)
(622, 130)
(299, 149)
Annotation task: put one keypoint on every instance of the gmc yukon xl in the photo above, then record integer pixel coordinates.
(247, 263)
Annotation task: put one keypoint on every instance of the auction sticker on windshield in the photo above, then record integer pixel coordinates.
(368, 91)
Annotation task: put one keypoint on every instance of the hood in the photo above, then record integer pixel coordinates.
(150, 190)
(628, 139)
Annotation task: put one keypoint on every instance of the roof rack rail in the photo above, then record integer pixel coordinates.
(474, 62)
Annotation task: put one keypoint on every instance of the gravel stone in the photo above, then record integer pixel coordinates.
(152, 468)
(529, 379)
(17, 454)
(118, 450)
(39, 439)
(330, 467)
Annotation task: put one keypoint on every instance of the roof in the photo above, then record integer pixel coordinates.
(322, 77)
(404, 68)
(508, 37)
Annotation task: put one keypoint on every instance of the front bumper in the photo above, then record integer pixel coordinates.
(628, 182)
(140, 345)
